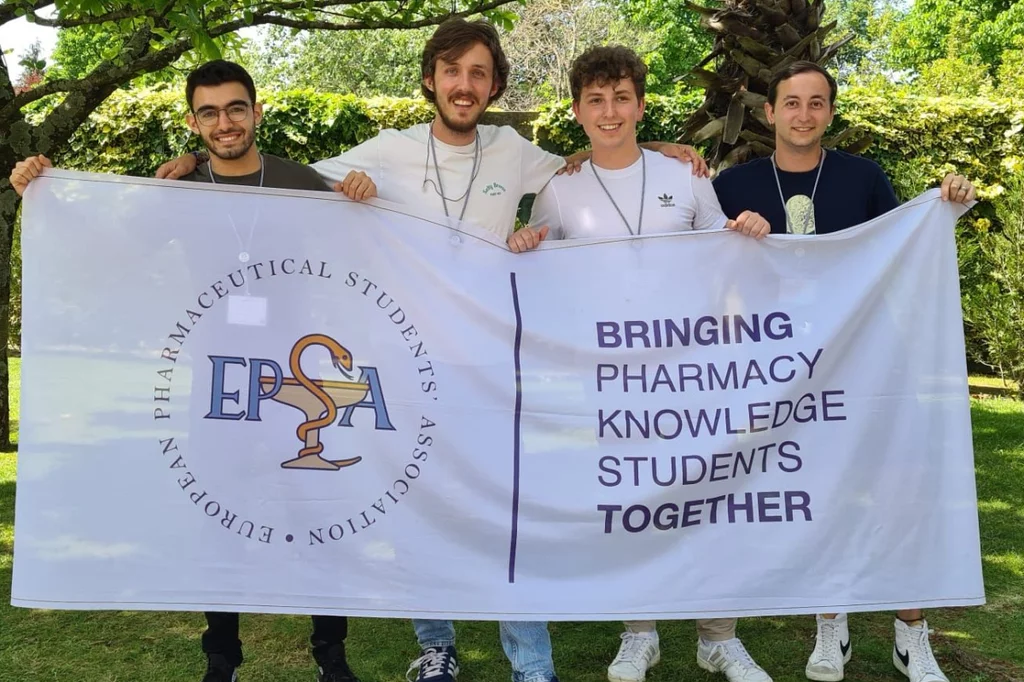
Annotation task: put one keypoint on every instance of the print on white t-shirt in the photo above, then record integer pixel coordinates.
(401, 165)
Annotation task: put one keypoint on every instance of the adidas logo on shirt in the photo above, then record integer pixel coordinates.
(666, 200)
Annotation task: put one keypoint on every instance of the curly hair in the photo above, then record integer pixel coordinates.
(602, 65)
(454, 38)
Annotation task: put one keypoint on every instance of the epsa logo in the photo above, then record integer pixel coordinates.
(320, 401)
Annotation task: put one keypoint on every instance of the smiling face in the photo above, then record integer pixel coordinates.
(802, 111)
(225, 138)
(463, 87)
(609, 113)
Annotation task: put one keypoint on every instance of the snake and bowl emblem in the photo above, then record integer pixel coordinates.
(318, 399)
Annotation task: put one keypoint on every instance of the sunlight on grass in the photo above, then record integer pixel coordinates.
(1014, 563)
(14, 367)
(990, 382)
(953, 634)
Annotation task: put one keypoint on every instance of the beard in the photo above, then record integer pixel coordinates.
(457, 126)
(237, 151)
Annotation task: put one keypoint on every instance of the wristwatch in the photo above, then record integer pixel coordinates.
(200, 157)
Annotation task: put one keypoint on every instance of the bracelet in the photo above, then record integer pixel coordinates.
(200, 157)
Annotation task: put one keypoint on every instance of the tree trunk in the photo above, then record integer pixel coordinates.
(13, 143)
(754, 40)
(9, 202)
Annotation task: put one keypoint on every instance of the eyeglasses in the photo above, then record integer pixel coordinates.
(237, 112)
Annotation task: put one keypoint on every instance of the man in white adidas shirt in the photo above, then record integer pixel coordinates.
(604, 198)
(625, 190)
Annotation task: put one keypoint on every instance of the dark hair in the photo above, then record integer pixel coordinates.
(797, 68)
(218, 72)
(602, 65)
(452, 39)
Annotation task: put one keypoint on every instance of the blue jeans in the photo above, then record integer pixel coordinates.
(527, 645)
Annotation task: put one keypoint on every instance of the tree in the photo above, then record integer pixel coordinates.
(1000, 318)
(384, 62)
(548, 35)
(678, 38)
(32, 58)
(33, 67)
(754, 39)
(150, 35)
(955, 74)
(870, 22)
(983, 29)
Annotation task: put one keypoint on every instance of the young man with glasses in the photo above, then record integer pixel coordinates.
(225, 113)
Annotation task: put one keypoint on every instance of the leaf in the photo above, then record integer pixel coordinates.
(206, 46)
(733, 120)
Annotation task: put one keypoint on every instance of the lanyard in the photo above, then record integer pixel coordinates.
(243, 254)
(643, 193)
(810, 215)
(432, 151)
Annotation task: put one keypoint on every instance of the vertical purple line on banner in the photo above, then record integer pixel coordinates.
(516, 430)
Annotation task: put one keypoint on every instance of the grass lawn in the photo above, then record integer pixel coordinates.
(984, 644)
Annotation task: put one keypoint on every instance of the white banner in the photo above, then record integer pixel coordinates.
(240, 399)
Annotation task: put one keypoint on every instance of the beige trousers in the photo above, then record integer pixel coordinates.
(711, 629)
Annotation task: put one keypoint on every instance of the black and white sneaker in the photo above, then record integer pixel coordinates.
(435, 664)
(219, 670)
(333, 667)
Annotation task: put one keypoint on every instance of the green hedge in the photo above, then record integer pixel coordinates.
(135, 131)
(917, 141)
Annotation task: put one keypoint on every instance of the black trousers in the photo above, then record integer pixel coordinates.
(221, 636)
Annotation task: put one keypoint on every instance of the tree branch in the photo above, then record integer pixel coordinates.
(8, 10)
(267, 18)
(6, 87)
(62, 122)
(108, 73)
(118, 15)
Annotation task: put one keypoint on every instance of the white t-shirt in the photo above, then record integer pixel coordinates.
(398, 163)
(674, 200)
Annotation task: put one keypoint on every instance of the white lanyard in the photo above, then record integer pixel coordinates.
(643, 192)
(810, 214)
(243, 254)
(432, 151)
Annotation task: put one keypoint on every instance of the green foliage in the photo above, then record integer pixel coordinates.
(364, 64)
(999, 315)
(32, 58)
(1011, 70)
(680, 41)
(975, 31)
(398, 113)
(953, 77)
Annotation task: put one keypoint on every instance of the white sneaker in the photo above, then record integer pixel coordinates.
(730, 657)
(832, 650)
(912, 654)
(638, 652)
